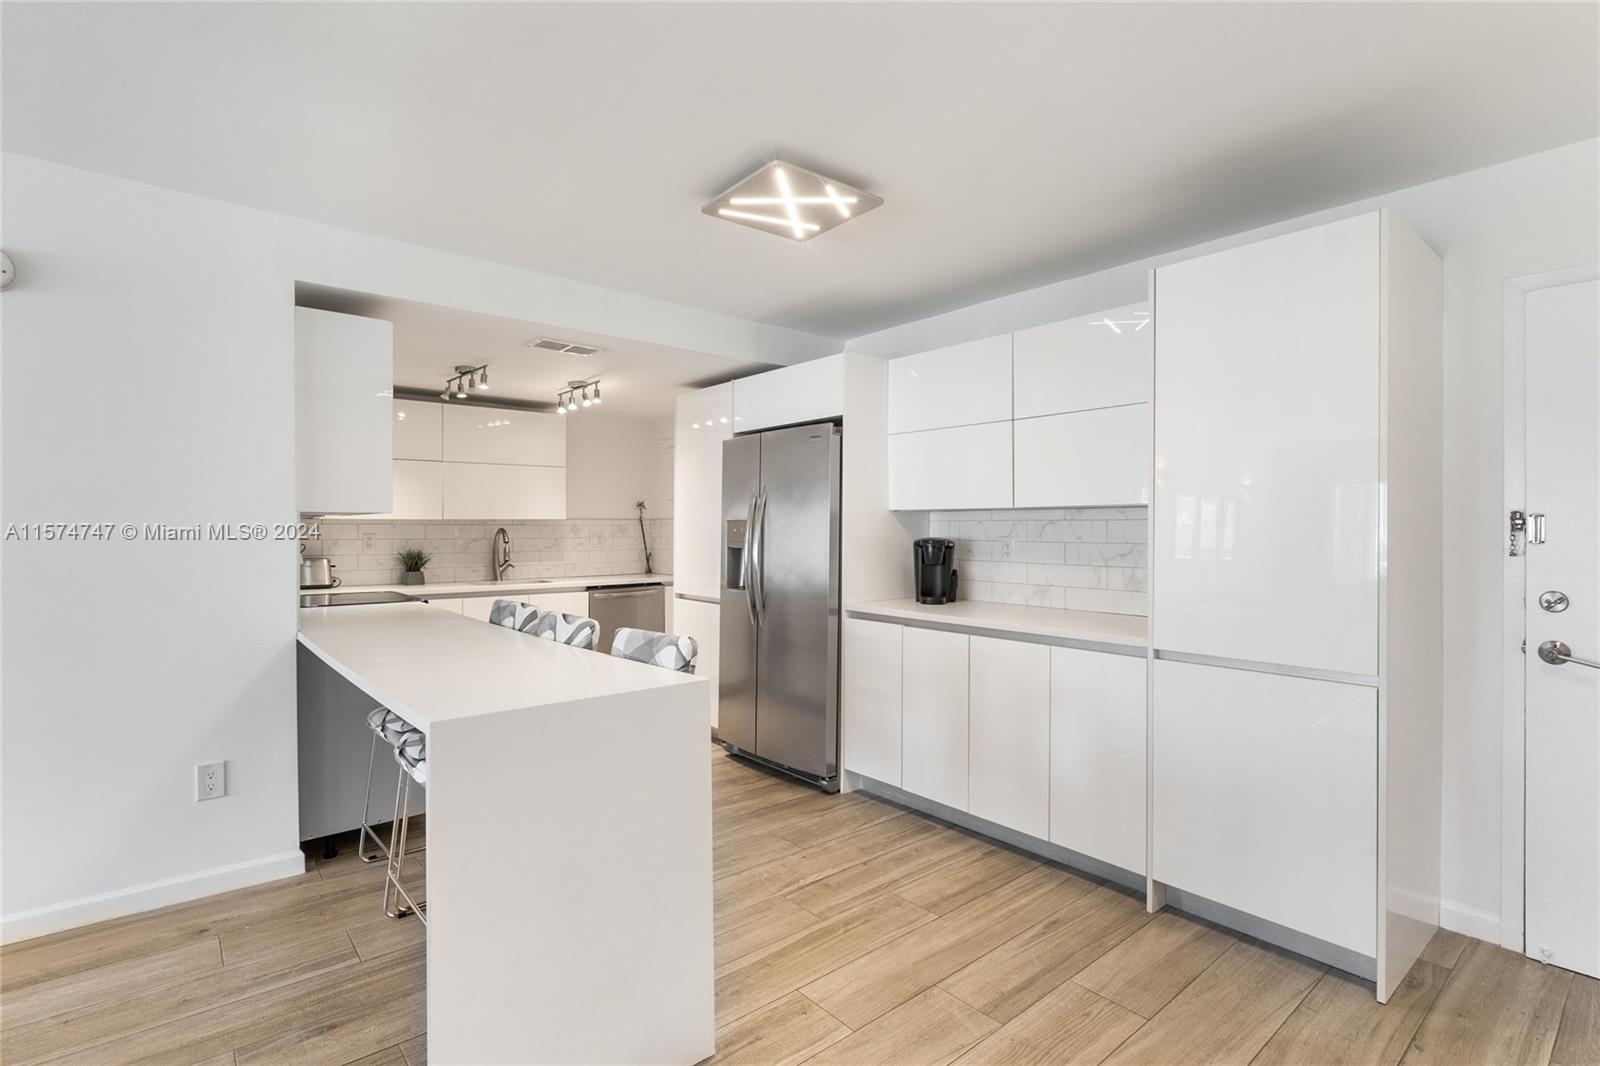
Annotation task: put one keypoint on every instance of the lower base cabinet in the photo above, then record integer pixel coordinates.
(703, 622)
(872, 698)
(934, 717)
(1266, 797)
(1097, 755)
(1009, 756)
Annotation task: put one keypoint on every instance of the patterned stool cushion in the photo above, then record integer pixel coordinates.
(412, 755)
(512, 615)
(573, 629)
(657, 649)
(389, 727)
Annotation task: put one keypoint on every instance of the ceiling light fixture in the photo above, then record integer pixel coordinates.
(587, 391)
(809, 204)
(473, 377)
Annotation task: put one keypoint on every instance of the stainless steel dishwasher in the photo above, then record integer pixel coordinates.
(635, 606)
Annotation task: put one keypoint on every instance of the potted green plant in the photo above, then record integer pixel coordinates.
(413, 561)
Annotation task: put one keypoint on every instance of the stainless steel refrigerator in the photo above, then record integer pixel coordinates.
(779, 684)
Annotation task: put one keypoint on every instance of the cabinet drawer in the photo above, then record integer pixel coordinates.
(1266, 797)
(951, 469)
(957, 386)
(487, 490)
(1084, 363)
(1097, 755)
(1010, 734)
(492, 435)
(934, 733)
(1085, 459)
(418, 430)
(872, 699)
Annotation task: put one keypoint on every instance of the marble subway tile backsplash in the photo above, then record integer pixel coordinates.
(1085, 559)
(363, 551)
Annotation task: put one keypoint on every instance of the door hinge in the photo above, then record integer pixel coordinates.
(1519, 524)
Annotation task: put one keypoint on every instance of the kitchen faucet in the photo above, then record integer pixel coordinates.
(500, 554)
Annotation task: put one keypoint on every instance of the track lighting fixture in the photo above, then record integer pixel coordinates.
(466, 377)
(585, 392)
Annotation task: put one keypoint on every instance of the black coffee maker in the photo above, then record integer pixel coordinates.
(934, 559)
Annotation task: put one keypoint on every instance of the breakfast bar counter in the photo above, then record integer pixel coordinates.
(569, 836)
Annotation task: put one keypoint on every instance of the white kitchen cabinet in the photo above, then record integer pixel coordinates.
(961, 385)
(1097, 755)
(505, 492)
(1266, 797)
(344, 382)
(1098, 360)
(1009, 760)
(564, 602)
(704, 421)
(1267, 450)
(453, 604)
(703, 622)
(418, 489)
(478, 607)
(968, 467)
(872, 699)
(418, 429)
(934, 715)
(805, 392)
(1095, 458)
(503, 436)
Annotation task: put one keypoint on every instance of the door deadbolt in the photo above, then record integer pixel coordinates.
(1553, 601)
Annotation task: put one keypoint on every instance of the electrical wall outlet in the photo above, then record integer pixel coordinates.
(369, 542)
(210, 780)
(1006, 548)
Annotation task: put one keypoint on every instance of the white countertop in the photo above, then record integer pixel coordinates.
(430, 666)
(496, 588)
(1009, 620)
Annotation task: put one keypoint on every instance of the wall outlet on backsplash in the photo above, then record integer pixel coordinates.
(1086, 558)
(369, 542)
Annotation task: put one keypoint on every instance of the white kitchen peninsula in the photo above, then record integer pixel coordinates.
(569, 836)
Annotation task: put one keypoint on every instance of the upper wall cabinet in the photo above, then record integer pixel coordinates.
(417, 430)
(805, 392)
(344, 375)
(503, 491)
(495, 435)
(1098, 360)
(962, 385)
(1268, 494)
(1097, 458)
(963, 468)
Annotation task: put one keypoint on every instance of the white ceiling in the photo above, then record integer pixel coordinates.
(1013, 144)
(637, 380)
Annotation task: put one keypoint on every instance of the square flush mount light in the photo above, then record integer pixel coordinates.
(791, 201)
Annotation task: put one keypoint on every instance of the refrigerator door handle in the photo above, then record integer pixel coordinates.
(746, 568)
(758, 561)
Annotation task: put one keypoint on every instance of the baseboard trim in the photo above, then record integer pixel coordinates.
(1469, 921)
(25, 925)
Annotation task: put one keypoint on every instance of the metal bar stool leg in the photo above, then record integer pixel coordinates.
(366, 832)
(398, 832)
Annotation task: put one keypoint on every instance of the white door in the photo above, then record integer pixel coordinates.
(872, 699)
(1563, 618)
(934, 726)
(1008, 734)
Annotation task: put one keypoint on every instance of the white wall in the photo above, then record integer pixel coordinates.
(1521, 217)
(148, 377)
(613, 462)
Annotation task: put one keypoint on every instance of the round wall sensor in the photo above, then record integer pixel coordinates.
(8, 273)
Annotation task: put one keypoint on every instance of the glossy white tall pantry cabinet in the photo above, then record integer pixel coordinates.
(1296, 586)
(704, 420)
(344, 375)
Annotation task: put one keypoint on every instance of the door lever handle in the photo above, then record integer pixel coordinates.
(1556, 653)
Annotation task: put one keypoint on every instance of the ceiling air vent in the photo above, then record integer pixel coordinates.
(546, 344)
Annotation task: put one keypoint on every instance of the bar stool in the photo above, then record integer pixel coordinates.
(572, 629)
(389, 727)
(513, 615)
(657, 649)
(411, 753)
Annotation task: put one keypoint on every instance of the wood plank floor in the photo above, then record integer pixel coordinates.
(847, 931)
